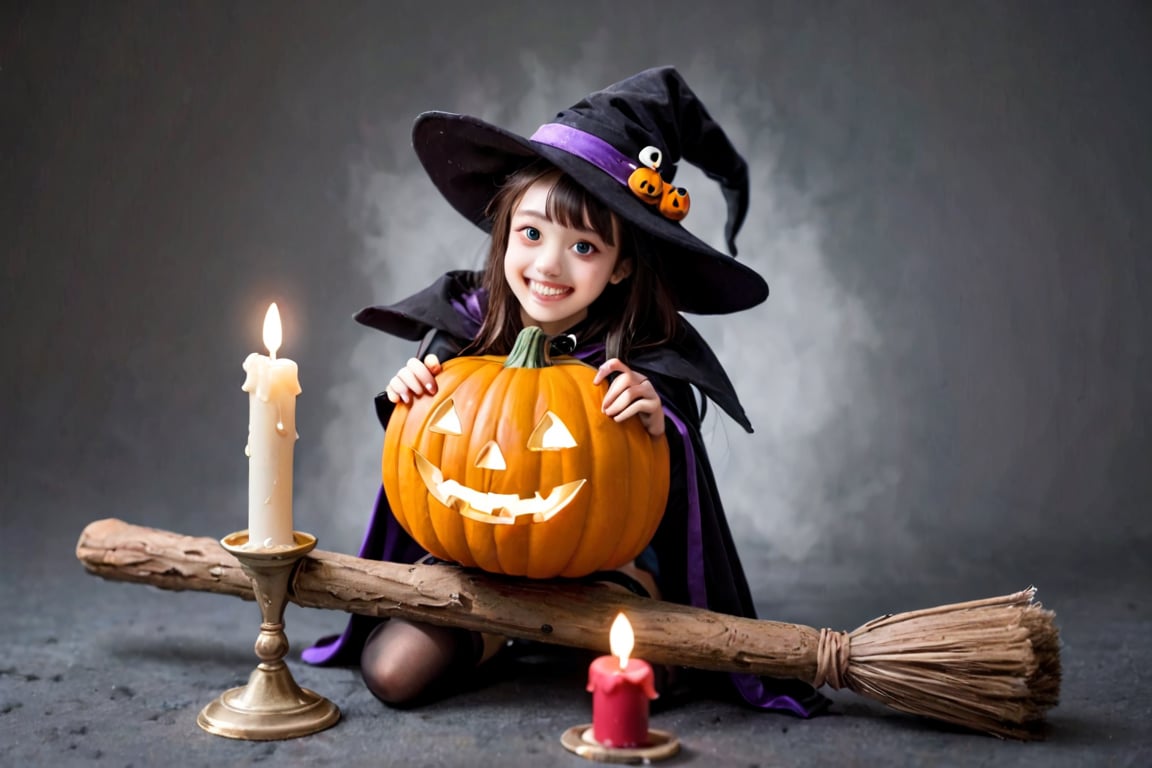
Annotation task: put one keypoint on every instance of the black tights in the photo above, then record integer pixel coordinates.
(401, 658)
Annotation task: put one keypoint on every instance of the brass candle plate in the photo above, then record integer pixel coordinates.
(578, 739)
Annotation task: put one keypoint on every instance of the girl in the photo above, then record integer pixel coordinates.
(586, 244)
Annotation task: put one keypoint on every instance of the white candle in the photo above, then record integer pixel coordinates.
(272, 385)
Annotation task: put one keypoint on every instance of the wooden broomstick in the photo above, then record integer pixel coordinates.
(990, 665)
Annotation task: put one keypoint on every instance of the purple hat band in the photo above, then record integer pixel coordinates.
(586, 147)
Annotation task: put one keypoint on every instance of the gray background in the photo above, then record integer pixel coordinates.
(949, 384)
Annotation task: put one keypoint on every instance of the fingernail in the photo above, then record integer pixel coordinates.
(430, 387)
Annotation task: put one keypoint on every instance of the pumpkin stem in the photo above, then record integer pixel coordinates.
(530, 350)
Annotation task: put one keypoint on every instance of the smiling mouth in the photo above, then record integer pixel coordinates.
(494, 508)
(544, 291)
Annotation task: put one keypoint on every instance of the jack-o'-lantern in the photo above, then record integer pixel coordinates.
(513, 468)
(675, 203)
(647, 185)
(645, 181)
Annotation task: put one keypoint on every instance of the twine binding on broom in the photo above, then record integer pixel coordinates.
(992, 665)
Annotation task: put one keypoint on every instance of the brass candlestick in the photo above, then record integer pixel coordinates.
(271, 706)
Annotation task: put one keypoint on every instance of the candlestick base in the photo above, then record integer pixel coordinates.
(579, 740)
(271, 706)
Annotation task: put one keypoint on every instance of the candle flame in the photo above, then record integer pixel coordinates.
(621, 639)
(272, 333)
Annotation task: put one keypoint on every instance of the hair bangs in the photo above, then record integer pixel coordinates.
(571, 205)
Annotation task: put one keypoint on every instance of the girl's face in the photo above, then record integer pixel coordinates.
(556, 271)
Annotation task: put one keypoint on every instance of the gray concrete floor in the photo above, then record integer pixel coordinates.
(102, 673)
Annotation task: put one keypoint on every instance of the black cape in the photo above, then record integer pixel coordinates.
(694, 551)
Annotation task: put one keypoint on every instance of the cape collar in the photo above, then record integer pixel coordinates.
(455, 305)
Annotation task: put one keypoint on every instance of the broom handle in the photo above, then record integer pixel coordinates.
(560, 613)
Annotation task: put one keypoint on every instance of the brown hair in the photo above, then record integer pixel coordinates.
(637, 312)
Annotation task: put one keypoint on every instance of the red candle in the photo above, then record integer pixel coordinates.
(621, 688)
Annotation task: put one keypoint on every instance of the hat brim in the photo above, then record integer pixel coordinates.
(468, 160)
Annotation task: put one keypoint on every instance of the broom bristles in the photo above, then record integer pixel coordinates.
(991, 665)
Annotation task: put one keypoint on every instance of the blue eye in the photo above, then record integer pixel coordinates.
(584, 249)
(531, 233)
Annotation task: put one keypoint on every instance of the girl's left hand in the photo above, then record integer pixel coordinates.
(631, 394)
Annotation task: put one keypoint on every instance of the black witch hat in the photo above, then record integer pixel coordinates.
(622, 144)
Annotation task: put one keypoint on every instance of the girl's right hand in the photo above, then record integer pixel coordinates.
(414, 379)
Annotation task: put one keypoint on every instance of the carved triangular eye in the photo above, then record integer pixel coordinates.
(550, 435)
(444, 419)
(490, 457)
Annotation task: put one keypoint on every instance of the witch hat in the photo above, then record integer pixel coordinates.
(613, 142)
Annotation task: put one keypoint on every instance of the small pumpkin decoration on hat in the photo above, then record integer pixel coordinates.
(675, 202)
(645, 181)
(511, 467)
(647, 184)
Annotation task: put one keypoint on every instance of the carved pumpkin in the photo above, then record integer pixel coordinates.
(645, 181)
(647, 185)
(512, 467)
(675, 203)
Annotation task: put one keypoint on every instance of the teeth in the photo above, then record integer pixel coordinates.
(545, 290)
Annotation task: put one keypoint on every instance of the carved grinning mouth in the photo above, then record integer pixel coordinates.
(494, 508)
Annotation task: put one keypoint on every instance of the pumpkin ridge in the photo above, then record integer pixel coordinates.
(580, 540)
(474, 539)
(639, 464)
(548, 544)
(624, 539)
(508, 547)
(435, 445)
(641, 461)
(398, 447)
(484, 539)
